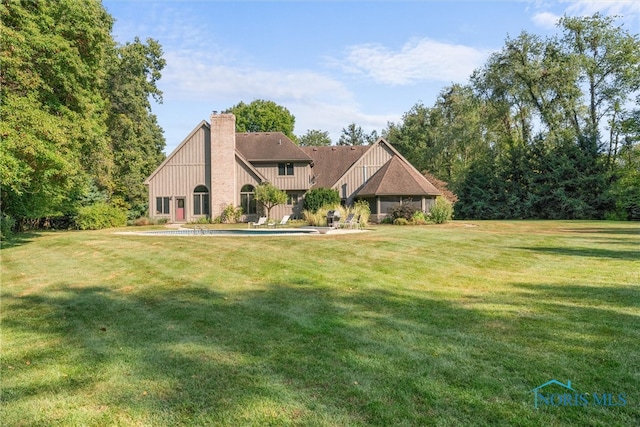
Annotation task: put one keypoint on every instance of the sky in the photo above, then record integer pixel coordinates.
(330, 63)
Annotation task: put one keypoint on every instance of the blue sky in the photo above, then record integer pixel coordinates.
(331, 63)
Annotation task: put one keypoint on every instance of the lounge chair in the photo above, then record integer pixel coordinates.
(261, 221)
(284, 221)
(347, 222)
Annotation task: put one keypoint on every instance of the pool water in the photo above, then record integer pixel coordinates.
(239, 232)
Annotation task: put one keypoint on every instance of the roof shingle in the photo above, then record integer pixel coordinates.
(269, 147)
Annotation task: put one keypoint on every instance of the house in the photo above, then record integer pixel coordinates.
(215, 166)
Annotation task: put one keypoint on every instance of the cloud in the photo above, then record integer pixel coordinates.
(191, 75)
(545, 20)
(418, 60)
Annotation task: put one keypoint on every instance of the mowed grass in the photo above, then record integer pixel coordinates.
(433, 325)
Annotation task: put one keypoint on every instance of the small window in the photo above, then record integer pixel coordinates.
(162, 205)
(285, 169)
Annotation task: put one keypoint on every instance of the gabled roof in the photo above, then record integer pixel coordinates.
(397, 178)
(330, 163)
(202, 123)
(269, 147)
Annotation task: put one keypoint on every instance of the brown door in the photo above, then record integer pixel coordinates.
(180, 209)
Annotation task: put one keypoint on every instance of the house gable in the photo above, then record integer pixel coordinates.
(185, 152)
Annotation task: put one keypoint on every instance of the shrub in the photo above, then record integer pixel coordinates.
(231, 214)
(143, 220)
(100, 215)
(405, 210)
(7, 224)
(317, 198)
(400, 221)
(203, 220)
(362, 208)
(442, 211)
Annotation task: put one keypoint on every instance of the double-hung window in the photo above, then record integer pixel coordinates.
(162, 205)
(285, 169)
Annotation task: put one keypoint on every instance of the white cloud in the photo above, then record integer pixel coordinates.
(192, 75)
(546, 20)
(418, 60)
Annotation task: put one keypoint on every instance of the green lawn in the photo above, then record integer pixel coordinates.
(434, 325)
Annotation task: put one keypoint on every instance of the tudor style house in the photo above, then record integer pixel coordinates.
(215, 166)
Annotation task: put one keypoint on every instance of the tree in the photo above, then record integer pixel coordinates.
(263, 116)
(608, 60)
(270, 196)
(317, 198)
(314, 138)
(354, 135)
(137, 141)
(54, 55)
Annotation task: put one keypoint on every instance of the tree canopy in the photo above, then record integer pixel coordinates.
(315, 138)
(263, 116)
(68, 92)
(540, 130)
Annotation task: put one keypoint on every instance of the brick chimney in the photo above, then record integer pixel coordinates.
(223, 162)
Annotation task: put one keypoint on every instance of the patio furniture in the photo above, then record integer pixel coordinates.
(261, 221)
(347, 222)
(284, 221)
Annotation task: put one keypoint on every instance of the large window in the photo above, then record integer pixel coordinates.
(285, 169)
(247, 199)
(162, 205)
(201, 200)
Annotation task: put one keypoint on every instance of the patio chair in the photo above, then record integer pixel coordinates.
(284, 221)
(347, 222)
(261, 221)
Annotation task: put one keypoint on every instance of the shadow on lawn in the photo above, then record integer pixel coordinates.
(586, 252)
(18, 239)
(313, 354)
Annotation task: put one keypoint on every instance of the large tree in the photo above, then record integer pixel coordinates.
(137, 141)
(54, 55)
(75, 121)
(263, 116)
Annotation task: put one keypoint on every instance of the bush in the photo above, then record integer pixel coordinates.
(441, 212)
(7, 224)
(231, 214)
(100, 215)
(361, 208)
(405, 210)
(400, 221)
(142, 221)
(317, 198)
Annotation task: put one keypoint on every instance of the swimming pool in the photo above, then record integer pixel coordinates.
(236, 232)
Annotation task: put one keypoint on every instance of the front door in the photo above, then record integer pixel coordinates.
(180, 209)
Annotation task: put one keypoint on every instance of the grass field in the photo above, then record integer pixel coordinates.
(435, 325)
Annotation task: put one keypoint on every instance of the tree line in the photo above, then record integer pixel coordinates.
(547, 128)
(75, 122)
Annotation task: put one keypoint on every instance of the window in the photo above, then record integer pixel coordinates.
(285, 169)
(292, 199)
(201, 200)
(247, 199)
(162, 205)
